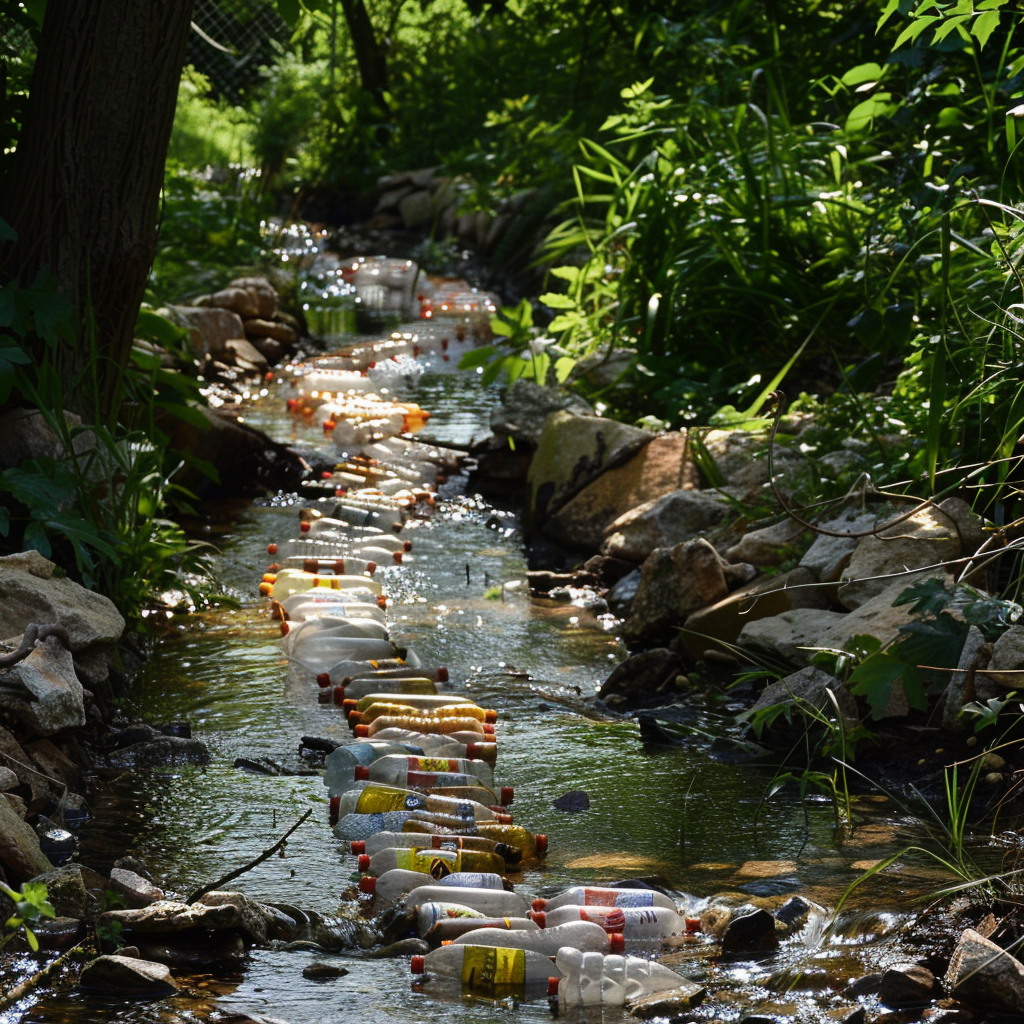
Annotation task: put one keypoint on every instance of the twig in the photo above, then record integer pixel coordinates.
(232, 875)
(10, 997)
(34, 632)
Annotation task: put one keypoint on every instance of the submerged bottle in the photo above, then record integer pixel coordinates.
(435, 863)
(486, 972)
(443, 745)
(594, 896)
(362, 826)
(449, 929)
(395, 767)
(582, 935)
(445, 709)
(590, 978)
(422, 841)
(636, 924)
(376, 798)
(428, 725)
(398, 882)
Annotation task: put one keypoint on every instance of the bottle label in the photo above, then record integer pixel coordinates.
(617, 898)
(373, 799)
(493, 972)
(433, 764)
(436, 863)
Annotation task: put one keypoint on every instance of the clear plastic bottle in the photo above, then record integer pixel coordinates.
(357, 688)
(398, 882)
(362, 826)
(340, 763)
(429, 914)
(365, 672)
(376, 798)
(528, 844)
(290, 585)
(394, 767)
(442, 744)
(449, 929)
(436, 862)
(429, 725)
(594, 896)
(415, 773)
(320, 656)
(415, 700)
(583, 935)
(485, 972)
(636, 924)
(422, 840)
(590, 978)
(394, 707)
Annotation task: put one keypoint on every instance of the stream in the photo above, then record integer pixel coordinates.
(696, 825)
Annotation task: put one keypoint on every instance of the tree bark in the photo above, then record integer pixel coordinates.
(84, 186)
(370, 55)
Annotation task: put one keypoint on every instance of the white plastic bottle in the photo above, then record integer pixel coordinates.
(429, 914)
(423, 841)
(486, 972)
(636, 924)
(594, 896)
(590, 978)
(449, 929)
(442, 744)
(582, 935)
(448, 726)
(413, 700)
(416, 774)
(340, 763)
(354, 689)
(362, 826)
(398, 882)
(394, 767)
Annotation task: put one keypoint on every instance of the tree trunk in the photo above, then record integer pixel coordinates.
(83, 190)
(370, 55)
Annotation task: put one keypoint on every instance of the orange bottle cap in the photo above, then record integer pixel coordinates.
(304, 527)
(362, 731)
(324, 678)
(490, 715)
(503, 819)
(368, 884)
(361, 774)
(358, 846)
(488, 729)
(616, 942)
(553, 987)
(539, 918)
(442, 675)
(363, 863)
(407, 545)
(416, 965)
(397, 556)
(539, 904)
(507, 794)
(542, 845)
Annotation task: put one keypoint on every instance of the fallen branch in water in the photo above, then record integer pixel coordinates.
(232, 875)
(12, 996)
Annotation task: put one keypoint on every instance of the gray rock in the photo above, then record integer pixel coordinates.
(239, 300)
(65, 888)
(209, 328)
(136, 890)
(810, 686)
(669, 1003)
(404, 947)
(925, 541)
(771, 545)
(967, 523)
(1007, 658)
(389, 200)
(620, 598)
(8, 780)
(257, 327)
(263, 290)
(14, 756)
(982, 974)
(20, 855)
(416, 209)
(674, 582)
(28, 435)
(827, 556)
(741, 463)
(642, 675)
(956, 695)
(162, 750)
(244, 354)
(866, 985)
(906, 985)
(319, 971)
(750, 933)
(34, 590)
(671, 519)
(42, 691)
(573, 801)
(125, 976)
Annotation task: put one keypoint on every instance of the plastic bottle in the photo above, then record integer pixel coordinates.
(473, 789)
(590, 978)
(593, 896)
(300, 583)
(364, 672)
(395, 708)
(398, 882)
(528, 844)
(423, 701)
(436, 863)
(449, 929)
(428, 725)
(353, 689)
(582, 935)
(398, 766)
(429, 914)
(376, 798)
(362, 826)
(486, 972)
(411, 776)
(422, 840)
(343, 627)
(442, 745)
(341, 762)
(636, 924)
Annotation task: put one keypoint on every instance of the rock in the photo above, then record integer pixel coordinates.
(669, 1003)
(33, 590)
(319, 971)
(866, 985)
(416, 209)
(136, 890)
(642, 676)
(8, 780)
(658, 468)
(271, 350)
(28, 435)
(65, 889)
(771, 545)
(810, 686)
(160, 751)
(526, 406)
(13, 755)
(828, 556)
(404, 947)
(58, 932)
(621, 596)
(124, 976)
(674, 582)
(966, 522)
(795, 635)
(669, 520)
(244, 354)
(209, 328)
(42, 691)
(982, 974)
(958, 690)
(740, 463)
(239, 300)
(1007, 658)
(259, 328)
(718, 626)
(264, 291)
(906, 985)
(574, 800)
(45, 755)
(750, 933)
(20, 855)
(926, 540)
(388, 201)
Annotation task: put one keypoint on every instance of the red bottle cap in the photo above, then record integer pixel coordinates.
(616, 942)
(304, 527)
(271, 549)
(542, 845)
(339, 695)
(539, 918)
(362, 731)
(358, 846)
(442, 675)
(503, 819)
(334, 806)
(472, 750)
(285, 629)
(488, 729)
(382, 601)
(363, 863)
(368, 884)
(350, 704)
(397, 556)
(416, 965)
(371, 567)
(553, 987)
(407, 545)
(361, 774)
(490, 715)
(539, 904)
(353, 717)
(324, 678)
(693, 925)
(507, 793)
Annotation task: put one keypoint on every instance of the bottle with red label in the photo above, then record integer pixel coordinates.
(484, 972)
(449, 928)
(637, 925)
(392, 769)
(583, 935)
(457, 726)
(427, 774)
(528, 844)
(482, 891)
(594, 896)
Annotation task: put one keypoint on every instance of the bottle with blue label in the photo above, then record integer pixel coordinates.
(594, 896)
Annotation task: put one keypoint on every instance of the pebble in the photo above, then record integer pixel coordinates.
(574, 800)
(319, 971)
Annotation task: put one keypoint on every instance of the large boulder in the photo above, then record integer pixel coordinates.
(42, 691)
(28, 435)
(127, 976)
(239, 300)
(669, 520)
(642, 676)
(925, 540)
(572, 452)
(33, 589)
(771, 545)
(20, 855)
(209, 327)
(263, 291)
(739, 463)
(1007, 662)
(659, 467)
(674, 582)
(982, 974)
(810, 688)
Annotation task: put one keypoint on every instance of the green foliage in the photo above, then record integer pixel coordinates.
(30, 904)
(207, 131)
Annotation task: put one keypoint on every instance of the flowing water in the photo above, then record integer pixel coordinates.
(696, 824)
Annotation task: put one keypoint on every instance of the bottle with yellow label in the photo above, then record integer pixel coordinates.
(436, 863)
(486, 972)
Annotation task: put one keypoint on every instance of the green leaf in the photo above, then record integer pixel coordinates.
(876, 678)
(555, 300)
(154, 327)
(870, 72)
(984, 25)
(290, 10)
(914, 29)
(477, 357)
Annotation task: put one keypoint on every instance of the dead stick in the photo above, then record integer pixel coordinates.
(232, 875)
(12, 996)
